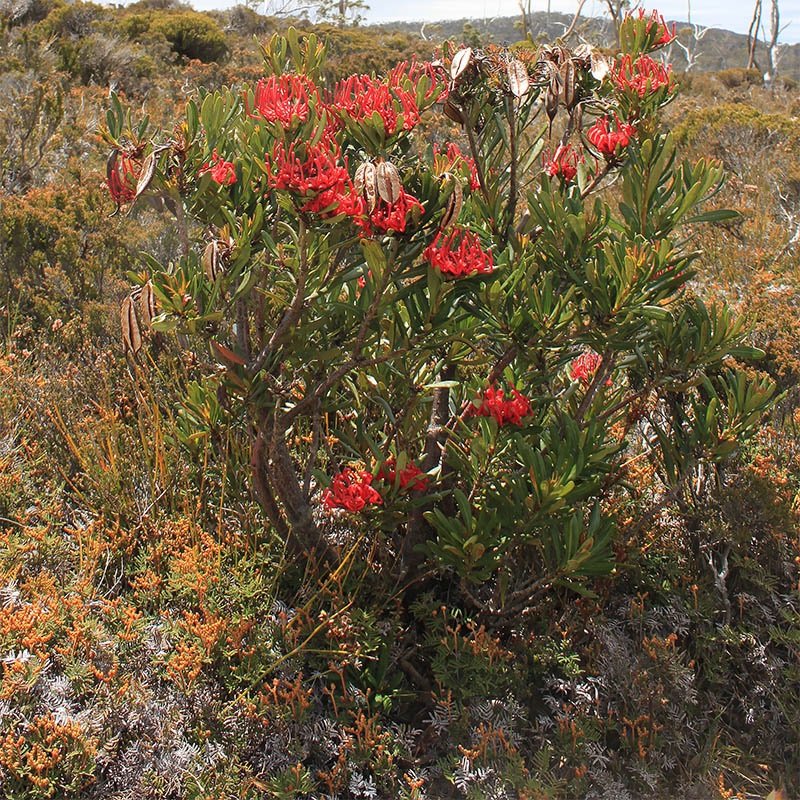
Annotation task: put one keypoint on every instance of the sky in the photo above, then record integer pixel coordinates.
(729, 14)
(732, 15)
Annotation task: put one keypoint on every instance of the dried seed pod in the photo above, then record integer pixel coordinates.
(454, 203)
(570, 94)
(599, 66)
(460, 62)
(112, 176)
(358, 179)
(146, 175)
(370, 186)
(453, 112)
(131, 333)
(388, 182)
(518, 80)
(551, 102)
(211, 260)
(147, 304)
(523, 222)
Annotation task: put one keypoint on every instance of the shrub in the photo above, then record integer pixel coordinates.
(191, 35)
(735, 77)
(363, 291)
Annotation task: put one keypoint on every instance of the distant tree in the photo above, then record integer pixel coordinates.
(470, 35)
(693, 34)
(340, 12)
(774, 50)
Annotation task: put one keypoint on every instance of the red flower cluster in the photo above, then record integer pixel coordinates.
(317, 173)
(643, 77)
(495, 405)
(666, 37)
(222, 171)
(583, 367)
(394, 100)
(412, 477)
(453, 160)
(359, 96)
(609, 141)
(351, 490)
(282, 99)
(459, 254)
(121, 179)
(386, 217)
(563, 163)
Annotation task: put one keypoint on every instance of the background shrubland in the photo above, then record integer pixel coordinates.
(156, 639)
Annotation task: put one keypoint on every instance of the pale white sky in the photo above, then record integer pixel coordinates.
(730, 14)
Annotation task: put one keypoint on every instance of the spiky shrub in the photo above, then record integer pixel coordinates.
(455, 351)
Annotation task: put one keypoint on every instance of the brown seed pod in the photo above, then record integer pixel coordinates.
(211, 260)
(370, 186)
(454, 203)
(358, 179)
(518, 80)
(147, 304)
(131, 333)
(551, 102)
(388, 182)
(460, 62)
(452, 111)
(112, 176)
(570, 94)
(599, 66)
(146, 175)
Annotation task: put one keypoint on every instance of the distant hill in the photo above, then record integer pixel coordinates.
(718, 49)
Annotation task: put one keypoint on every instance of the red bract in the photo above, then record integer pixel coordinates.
(453, 160)
(607, 140)
(583, 368)
(121, 179)
(222, 171)
(351, 490)
(282, 99)
(642, 77)
(315, 172)
(459, 254)
(412, 477)
(494, 404)
(564, 163)
(386, 217)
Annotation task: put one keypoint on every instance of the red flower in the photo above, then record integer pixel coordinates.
(351, 490)
(608, 141)
(453, 160)
(121, 178)
(643, 77)
(283, 99)
(666, 37)
(494, 404)
(222, 171)
(316, 175)
(583, 368)
(385, 217)
(563, 163)
(409, 477)
(459, 254)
